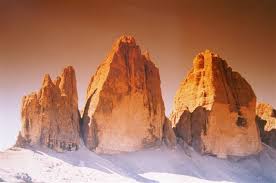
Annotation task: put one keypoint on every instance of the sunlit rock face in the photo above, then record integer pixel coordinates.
(266, 120)
(214, 109)
(50, 117)
(124, 108)
(267, 113)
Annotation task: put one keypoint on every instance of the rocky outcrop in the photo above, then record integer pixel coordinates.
(168, 134)
(214, 109)
(266, 120)
(124, 109)
(50, 117)
(267, 113)
(191, 126)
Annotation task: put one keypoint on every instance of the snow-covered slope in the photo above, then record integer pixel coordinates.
(151, 166)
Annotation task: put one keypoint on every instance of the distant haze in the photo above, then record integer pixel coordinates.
(39, 37)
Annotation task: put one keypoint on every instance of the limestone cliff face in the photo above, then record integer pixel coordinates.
(214, 109)
(50, 117)
(266, 120)
(124, 108)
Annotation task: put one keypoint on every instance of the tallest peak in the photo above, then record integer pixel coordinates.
(209, 52)
(124, 41)
(69, 68)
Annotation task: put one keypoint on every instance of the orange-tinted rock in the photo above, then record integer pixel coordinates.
(266, 120)
(214, 109)
(50, 117)
(124, 107)
(267, 113)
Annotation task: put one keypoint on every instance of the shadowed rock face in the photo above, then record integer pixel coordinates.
(191, 126)
(266, 120)
(50, 117)
(124, 108)
(214, 109)
(168, 134)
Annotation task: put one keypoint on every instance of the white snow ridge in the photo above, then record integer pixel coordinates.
(150, 166)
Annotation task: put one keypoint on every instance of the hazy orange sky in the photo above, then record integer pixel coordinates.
(38, 37)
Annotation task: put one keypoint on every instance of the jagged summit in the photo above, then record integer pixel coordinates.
(209, 57)
(124, 41)
(209, 52)
(50, 117)
(47, 80)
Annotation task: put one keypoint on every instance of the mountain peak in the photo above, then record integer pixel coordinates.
(124, 108)
(50, 119)
(211, 91)
(47, 80)
(123, 41)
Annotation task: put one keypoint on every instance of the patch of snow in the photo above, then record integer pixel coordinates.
(150, 166)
